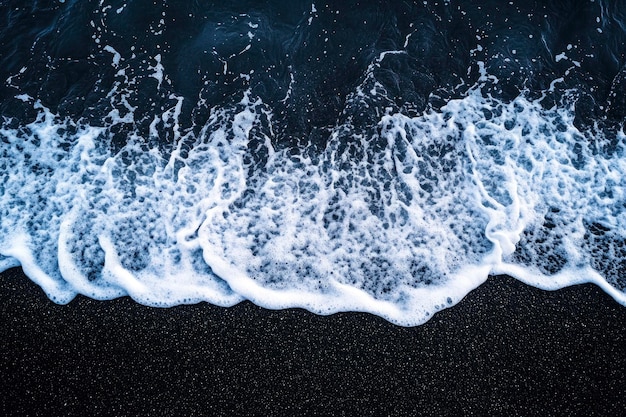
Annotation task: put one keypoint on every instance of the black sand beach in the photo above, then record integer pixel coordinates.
(392, 144)
(506, 349)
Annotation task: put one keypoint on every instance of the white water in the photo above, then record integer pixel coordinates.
(400, 220)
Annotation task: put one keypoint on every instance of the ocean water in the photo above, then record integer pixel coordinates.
(377, 156)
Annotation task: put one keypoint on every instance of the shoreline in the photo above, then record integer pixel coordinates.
(506, 349)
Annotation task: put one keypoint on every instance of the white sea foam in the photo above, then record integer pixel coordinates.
(400, 220)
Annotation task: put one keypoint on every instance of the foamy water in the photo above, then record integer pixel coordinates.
(399, 212)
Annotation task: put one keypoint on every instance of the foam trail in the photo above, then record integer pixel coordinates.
(400, 221)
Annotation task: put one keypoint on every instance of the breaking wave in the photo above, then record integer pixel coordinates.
(394, 191)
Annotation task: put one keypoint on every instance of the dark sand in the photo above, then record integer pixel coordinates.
(507, 349)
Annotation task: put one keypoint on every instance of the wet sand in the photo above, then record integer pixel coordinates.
(506, 349)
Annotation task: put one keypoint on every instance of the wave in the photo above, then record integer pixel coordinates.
(398, 200)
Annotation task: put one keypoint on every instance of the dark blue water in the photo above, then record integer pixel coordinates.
(377, 156)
